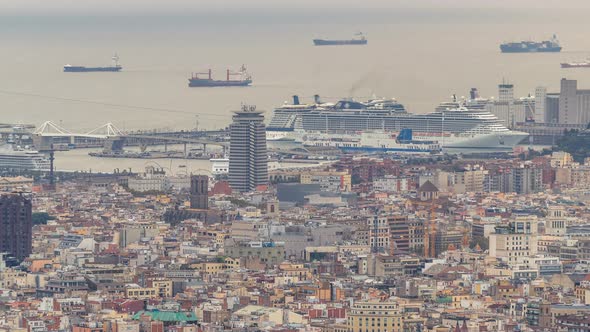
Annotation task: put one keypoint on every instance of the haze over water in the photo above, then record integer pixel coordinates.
(420, 56)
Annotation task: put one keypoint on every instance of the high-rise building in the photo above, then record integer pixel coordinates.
(574, 104)
(507, 109)
(248, 161)
(379, 233)
(540, 100)
(399, 229)
(199, 192)
(552, 108)
(568, 101)
(527, 180)
(506, 93)
(16, 226)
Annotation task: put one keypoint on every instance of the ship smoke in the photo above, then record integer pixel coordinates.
(370, 80)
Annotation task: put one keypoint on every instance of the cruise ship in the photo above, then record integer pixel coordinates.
(456, 127)
(16, 158)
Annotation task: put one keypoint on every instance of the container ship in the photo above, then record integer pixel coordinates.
(551, 45)
(453, 128)
(81, 69)
(578, 64)
(244, 79)
(358, 40)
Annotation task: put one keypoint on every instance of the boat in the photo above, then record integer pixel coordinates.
(578, 64)
(81, 69)
(198, 81)
(358, 40)
(551, 45)
(16, 158)
(372, 142)
(457, 127)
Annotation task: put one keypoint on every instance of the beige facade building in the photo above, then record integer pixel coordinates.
(10, 183)
(556, 221)
(470, 180)
(561, 159)
(516, 242)
(375, 317)
(141, 293)
(328, 180)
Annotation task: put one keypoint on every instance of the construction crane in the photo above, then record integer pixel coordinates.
(465, 241)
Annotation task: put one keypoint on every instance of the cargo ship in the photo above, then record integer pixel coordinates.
(579, 64)
(81, 69)
(244, 79)
(359, 40)
(551, 45)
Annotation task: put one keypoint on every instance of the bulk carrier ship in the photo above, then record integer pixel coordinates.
(198, 81)
(359, 40)
(81, 69)
(576, 64)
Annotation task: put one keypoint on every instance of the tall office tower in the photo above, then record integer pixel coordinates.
(248, 164)
(16, 226)
(505, 93)
(568, 102)
(552, 108)
(199, 192)
(540, 100)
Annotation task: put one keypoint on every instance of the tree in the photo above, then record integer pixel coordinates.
(41, 218)
(483, 242)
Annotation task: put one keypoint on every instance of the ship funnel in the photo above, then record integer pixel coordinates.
(316, 99)
(454, 98)
(405, 135)
(295, 100)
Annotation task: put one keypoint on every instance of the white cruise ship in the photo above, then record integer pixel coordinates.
(22, 159)
(452, 128)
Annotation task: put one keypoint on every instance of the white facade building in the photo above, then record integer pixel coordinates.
(516, 242)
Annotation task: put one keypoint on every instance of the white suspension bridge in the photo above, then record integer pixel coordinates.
(113, 137)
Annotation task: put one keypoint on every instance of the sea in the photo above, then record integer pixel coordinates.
(419, 56)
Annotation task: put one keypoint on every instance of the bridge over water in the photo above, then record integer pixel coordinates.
(50, 136)
(46, 136)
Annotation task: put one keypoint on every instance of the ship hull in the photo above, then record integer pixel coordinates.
(509, 49)
(569, 65)
(369, 149)
(371, 142)
(212, 83)
(81, 69)
(504, 142)
(323, 42)
(495, 142)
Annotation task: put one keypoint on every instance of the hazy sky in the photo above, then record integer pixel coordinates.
(8, 7)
